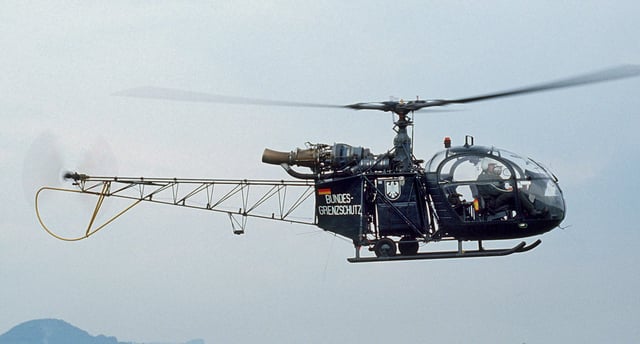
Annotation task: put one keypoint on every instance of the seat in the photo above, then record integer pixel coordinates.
(483, 208)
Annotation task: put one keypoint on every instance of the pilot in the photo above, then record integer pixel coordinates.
(495, 192)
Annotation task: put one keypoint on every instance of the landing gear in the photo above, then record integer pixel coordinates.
(385, 250)
(385, 247)
(408, 246)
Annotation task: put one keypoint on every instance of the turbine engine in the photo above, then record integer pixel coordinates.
(327, 160)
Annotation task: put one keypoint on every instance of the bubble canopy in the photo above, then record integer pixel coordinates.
(516, 161)
(503, 184)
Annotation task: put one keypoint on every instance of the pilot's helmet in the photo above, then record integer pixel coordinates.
(487, 162)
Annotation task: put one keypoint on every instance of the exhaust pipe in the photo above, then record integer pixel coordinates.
(299, 157)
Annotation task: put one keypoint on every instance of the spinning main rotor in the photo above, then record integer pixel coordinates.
(401, 108)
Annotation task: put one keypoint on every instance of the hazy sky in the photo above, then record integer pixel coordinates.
(171, 274)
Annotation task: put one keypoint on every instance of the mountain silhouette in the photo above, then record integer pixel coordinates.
(55, 331)
(52, 331)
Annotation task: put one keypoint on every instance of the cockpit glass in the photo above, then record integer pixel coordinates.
(498, 183)
(524, 168)
(433, 164)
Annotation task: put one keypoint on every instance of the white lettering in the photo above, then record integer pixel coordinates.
(343, 198)
(339, 210)
(339, 205)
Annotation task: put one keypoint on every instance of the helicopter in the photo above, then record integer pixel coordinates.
(391, 203)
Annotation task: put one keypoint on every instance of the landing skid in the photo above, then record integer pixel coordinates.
(521, 247)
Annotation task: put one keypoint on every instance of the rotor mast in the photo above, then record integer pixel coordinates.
(402, 146)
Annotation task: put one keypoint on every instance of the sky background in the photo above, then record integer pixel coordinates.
(164, 273)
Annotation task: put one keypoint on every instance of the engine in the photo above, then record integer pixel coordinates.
(326, 161)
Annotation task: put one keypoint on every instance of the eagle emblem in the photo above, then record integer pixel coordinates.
(392, 189)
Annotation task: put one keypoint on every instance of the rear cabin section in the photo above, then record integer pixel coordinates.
(373, 206)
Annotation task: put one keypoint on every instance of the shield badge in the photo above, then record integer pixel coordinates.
(392, 189)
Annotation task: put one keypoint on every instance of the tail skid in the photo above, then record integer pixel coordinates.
(90, 227)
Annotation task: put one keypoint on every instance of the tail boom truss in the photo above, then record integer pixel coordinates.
(281, 200)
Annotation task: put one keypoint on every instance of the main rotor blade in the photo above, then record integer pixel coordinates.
(188, 96)
(620, 72)
(398, 107)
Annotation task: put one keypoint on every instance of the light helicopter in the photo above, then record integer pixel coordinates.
(391, 203)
